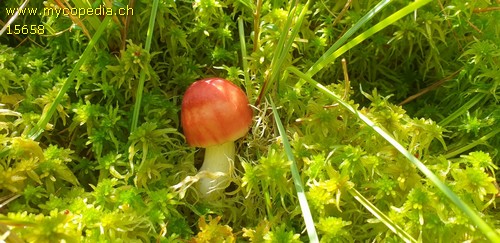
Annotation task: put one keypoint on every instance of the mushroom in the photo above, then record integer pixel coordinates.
(215, 113)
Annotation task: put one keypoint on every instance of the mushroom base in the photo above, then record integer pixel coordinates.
(215, 173)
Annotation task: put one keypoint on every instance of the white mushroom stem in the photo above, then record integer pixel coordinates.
(216, 169)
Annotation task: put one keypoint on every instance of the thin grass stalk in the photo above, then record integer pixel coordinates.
(63, 4)
(472, 102)
(244, 62)
(282, 48)
(91, 18)
(381, 216)
(256, 26)
(373, 30)
(35, 132)
(290, 40)
(334, 53)
(304, 206)
(267, 198)
(481, 140)
(487, 230)
(140, 86)
(14, 17)
(320, 63)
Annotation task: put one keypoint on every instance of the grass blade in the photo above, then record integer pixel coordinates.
(283, 48)
(93, 19)
(481, 140)
(14, 17)
(304, 206)
(473, 215)
(381, 216)
(140, 86)
(333, 54)
(44, 120)
(323, 60)
(472, 102)
(248, 84)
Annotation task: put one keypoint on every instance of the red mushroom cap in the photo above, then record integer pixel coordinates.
(214, 111)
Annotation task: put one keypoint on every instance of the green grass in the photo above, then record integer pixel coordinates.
(297, 181)
(92, 147)
(483, 226)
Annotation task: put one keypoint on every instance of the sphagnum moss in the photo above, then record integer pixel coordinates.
(73, 169)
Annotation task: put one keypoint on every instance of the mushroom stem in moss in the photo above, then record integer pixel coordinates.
(219, 162)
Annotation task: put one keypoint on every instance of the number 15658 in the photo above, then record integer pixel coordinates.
(26, 29)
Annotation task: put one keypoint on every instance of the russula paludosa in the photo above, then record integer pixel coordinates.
(215, 112)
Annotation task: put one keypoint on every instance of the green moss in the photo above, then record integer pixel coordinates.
(90, 177)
